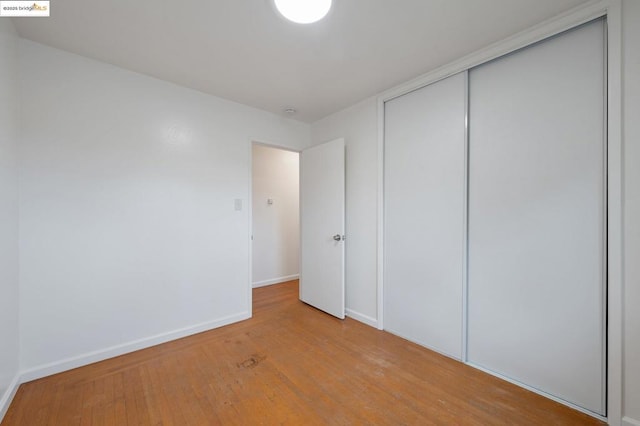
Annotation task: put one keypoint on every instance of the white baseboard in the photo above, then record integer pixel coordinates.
(362, 318)
(628, 421)
(5, 400)
(275, 280)
(102, 354)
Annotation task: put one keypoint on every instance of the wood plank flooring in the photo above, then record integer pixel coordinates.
(290, 364)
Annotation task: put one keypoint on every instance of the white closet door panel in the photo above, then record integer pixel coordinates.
(424, 213)
(536, 216)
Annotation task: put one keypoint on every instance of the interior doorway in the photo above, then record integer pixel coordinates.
(275, 212)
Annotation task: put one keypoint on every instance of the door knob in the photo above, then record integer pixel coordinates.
(337, 237)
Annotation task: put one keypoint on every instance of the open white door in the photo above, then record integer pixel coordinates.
(322, 201)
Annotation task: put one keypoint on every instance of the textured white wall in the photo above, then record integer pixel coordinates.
(128, 187)
(358, 126)
(276, 227)
(9, 134)
(631, 88)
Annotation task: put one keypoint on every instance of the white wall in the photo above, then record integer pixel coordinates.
(130, 236)
(276, 226)
(358, 126)
(9, 133)
(631, 82)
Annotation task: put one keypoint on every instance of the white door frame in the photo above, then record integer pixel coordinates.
(572, 18)
(250, 209)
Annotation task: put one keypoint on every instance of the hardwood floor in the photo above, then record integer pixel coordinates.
(289, 364)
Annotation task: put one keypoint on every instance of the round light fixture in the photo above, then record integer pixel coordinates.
(303, 11)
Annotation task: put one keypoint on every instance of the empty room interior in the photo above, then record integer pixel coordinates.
(320, 212)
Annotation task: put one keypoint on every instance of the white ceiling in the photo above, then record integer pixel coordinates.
(242, 50)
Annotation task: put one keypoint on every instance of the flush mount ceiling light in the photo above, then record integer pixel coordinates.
(303, 11)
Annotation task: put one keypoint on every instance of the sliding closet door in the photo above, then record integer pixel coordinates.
(537, 217)
(424, 222)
